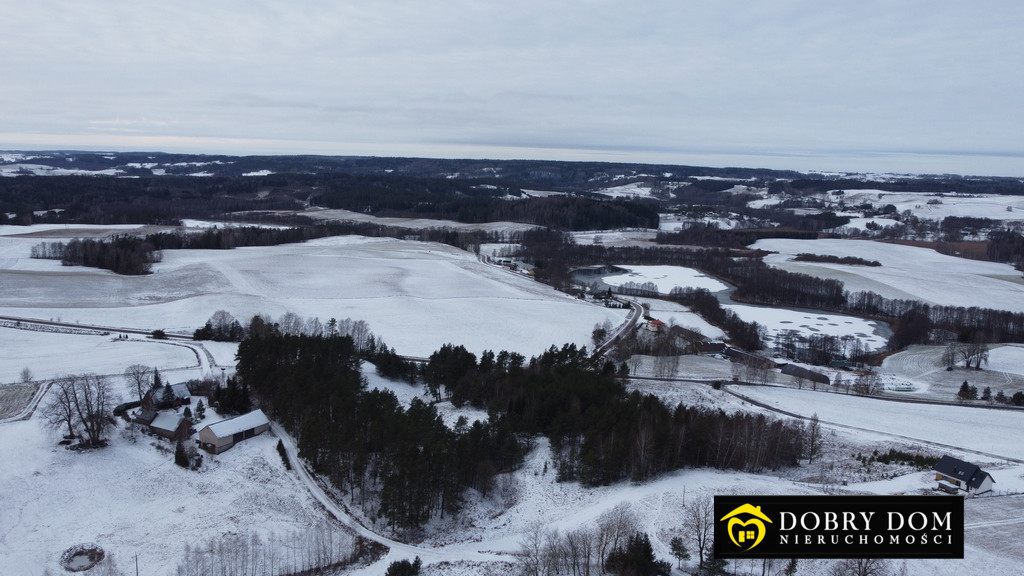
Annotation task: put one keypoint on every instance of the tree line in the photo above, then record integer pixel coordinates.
(145, 200)
(122, 254)
(830, 259)
(311, 551)
(405, 466)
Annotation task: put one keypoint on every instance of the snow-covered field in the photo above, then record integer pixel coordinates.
(943, 205)
(773, 319)
(922, 367)
(921, 422)
(417, 296)
(906, 272)
(665, 278)
(632, 190)
(49, 355)
(776, 320)
(616, 238)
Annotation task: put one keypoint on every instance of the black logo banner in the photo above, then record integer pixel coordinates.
(839, 527)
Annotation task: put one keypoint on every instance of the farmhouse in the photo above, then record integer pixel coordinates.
(170, 425)
(655, 325)
(222, 435)
(954, 475)
(154, 399)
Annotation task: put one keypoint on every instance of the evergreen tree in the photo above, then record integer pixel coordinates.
(180, 457)
(679, 551)
(404, 568)
(167, 397)
(636, 558)
(156, 379)
(234, 397)
(967, 392)
(716, 566)
(200, 411)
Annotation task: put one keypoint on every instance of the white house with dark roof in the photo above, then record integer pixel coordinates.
(954, 475)
(220, 436)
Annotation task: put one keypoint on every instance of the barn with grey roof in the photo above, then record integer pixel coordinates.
(220, 436)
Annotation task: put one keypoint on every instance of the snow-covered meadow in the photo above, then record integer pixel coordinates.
(665, 278)
(905, 272)
(417, 296)
(923, 369)
(927, 423)
(776, 320)
(51, 354)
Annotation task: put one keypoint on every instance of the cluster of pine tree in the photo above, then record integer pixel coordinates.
(407, 466)
(403, 460)
(599, 432)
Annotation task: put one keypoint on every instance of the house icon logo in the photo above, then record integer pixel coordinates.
(746, 526)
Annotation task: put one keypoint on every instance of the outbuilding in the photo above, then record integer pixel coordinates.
(220, 436)
(170, 425)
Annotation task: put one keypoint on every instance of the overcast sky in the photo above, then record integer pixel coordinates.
(906, 86)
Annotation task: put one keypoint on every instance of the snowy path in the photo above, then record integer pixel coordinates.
(27, 411)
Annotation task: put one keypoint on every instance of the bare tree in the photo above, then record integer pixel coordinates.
(699, 517)
(868, 385)
(26, 375)
(138, 376)
(614, 527)
(812, 437)
(979, 353)
(94, 406)
(291, 324)
(974, 352)
(81, 401)
(59, 410)
(579, 550)
(950, 354)
(531, 557)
